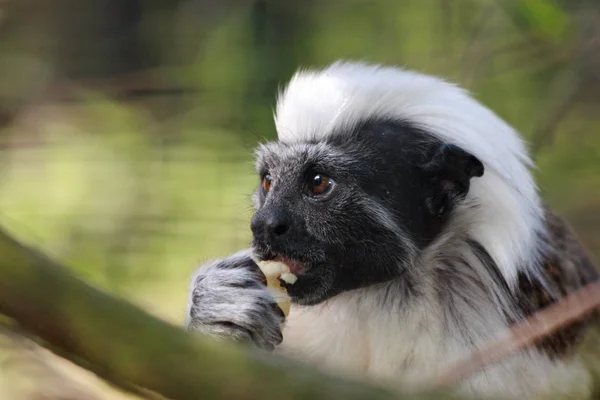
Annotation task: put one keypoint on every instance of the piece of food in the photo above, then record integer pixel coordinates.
(273, 271)
(289, 278)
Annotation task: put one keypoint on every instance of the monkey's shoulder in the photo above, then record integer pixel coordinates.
(566, 268)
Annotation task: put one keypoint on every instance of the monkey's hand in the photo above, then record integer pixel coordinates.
(228, 300)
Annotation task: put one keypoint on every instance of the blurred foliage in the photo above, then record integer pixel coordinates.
(127, 126)
(108, 167)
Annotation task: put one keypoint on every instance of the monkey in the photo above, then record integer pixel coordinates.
(409, 214)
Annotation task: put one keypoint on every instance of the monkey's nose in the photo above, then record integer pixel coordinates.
(277, 225)
(271, 223)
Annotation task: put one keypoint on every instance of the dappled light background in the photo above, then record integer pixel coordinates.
(127, 127)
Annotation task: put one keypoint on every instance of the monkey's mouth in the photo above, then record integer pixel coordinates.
(295, 266)
(313, 276)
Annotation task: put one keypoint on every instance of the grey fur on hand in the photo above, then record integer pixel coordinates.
(228, 300)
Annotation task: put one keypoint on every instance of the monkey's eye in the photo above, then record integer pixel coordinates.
(319, 184)
(266, 183)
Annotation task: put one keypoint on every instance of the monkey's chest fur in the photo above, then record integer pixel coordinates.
(406, 336)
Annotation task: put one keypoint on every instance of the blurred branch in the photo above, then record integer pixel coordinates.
(119, 87)
(527, 333)
(22, 356)
(123, 343)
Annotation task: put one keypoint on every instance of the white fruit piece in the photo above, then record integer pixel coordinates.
(273, 270)
(289, 278)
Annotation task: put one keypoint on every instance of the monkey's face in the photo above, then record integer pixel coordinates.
(356, 209)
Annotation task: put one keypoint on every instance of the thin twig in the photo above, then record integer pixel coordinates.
(531, 331)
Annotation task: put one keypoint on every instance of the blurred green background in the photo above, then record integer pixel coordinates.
(127, 127)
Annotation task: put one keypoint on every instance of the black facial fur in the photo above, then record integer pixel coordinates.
(394, 188)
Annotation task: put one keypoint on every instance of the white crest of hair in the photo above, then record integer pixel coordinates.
(509, 219)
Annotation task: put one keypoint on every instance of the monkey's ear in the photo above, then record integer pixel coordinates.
(451, 169)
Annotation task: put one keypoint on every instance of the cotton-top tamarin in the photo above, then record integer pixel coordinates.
(406, 212)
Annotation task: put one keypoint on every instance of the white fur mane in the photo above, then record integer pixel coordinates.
(509, 218)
